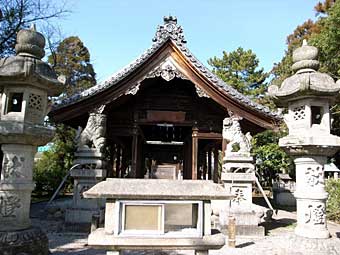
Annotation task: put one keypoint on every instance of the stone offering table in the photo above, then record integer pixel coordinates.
(157, 215)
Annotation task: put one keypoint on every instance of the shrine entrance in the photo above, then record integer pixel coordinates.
(168, 152)
(164, 148)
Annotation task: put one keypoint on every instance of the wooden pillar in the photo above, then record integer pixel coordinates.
(203, 164)
(224, 147)
(209, 164)
(118, 160)
(215, 175)
(140, 163)
(187, 165)
(111, 172)
(194, 153)
(124, 162)
(134, 153)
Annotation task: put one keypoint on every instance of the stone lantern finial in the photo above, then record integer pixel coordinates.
(305, 58)
(307, 82)
(30, 43)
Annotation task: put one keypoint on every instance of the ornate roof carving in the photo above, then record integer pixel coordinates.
(166, 70)
(169, 31)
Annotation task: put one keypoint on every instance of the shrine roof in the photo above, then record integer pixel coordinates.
(170, 31)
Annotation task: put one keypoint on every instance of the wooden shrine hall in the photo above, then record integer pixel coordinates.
(164, 112)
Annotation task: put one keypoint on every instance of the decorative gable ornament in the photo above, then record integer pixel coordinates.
(170, 29)
(166, 70)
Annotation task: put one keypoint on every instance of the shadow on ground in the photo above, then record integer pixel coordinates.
(278, 223)
(246, 244)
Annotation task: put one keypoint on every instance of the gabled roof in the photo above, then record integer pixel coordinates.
(172, 34)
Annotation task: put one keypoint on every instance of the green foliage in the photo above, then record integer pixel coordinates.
(240, 69)
(72, 59)
(269, 157)
(333, 202)
(54, 164)
(328, 41)
(323, 8)
(323, 33)
(16, 15)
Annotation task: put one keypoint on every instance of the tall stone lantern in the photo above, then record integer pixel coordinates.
(26, 82)
(308, 95)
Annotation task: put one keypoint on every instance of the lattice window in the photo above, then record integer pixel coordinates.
(299, 113)
(35, 102)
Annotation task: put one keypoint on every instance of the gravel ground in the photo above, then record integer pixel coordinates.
(280, 239)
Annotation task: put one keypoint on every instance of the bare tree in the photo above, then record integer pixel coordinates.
(18, 14)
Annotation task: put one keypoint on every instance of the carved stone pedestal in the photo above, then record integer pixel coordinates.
(16, 186)
(236, 162)
(311, 197)
(16, 233)
(79, 215)
(29, 241)
(247, 216)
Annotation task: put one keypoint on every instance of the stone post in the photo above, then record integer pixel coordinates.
(238, 176)
(308, 95)
(26, 82)
(92, 169)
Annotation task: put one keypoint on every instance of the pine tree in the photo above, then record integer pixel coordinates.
(72, 59)
(240, 69)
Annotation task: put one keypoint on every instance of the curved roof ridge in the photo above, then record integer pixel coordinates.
(223, 85)
(110, 81)
(169, 31)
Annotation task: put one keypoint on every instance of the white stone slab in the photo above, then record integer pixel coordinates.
(139, 189)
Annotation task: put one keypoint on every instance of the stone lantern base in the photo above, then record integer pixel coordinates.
(248, 216)
(32, 241)
(78, 217)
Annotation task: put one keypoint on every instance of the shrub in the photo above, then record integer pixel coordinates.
(333, 202)
(54, 164)
(269, 157)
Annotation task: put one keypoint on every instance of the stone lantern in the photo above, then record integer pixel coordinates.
(308, 95)
(26, 82)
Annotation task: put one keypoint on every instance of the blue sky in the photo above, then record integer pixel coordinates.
(118, 31)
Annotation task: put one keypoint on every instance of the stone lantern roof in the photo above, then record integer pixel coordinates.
(307, 81)
(27, 67)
